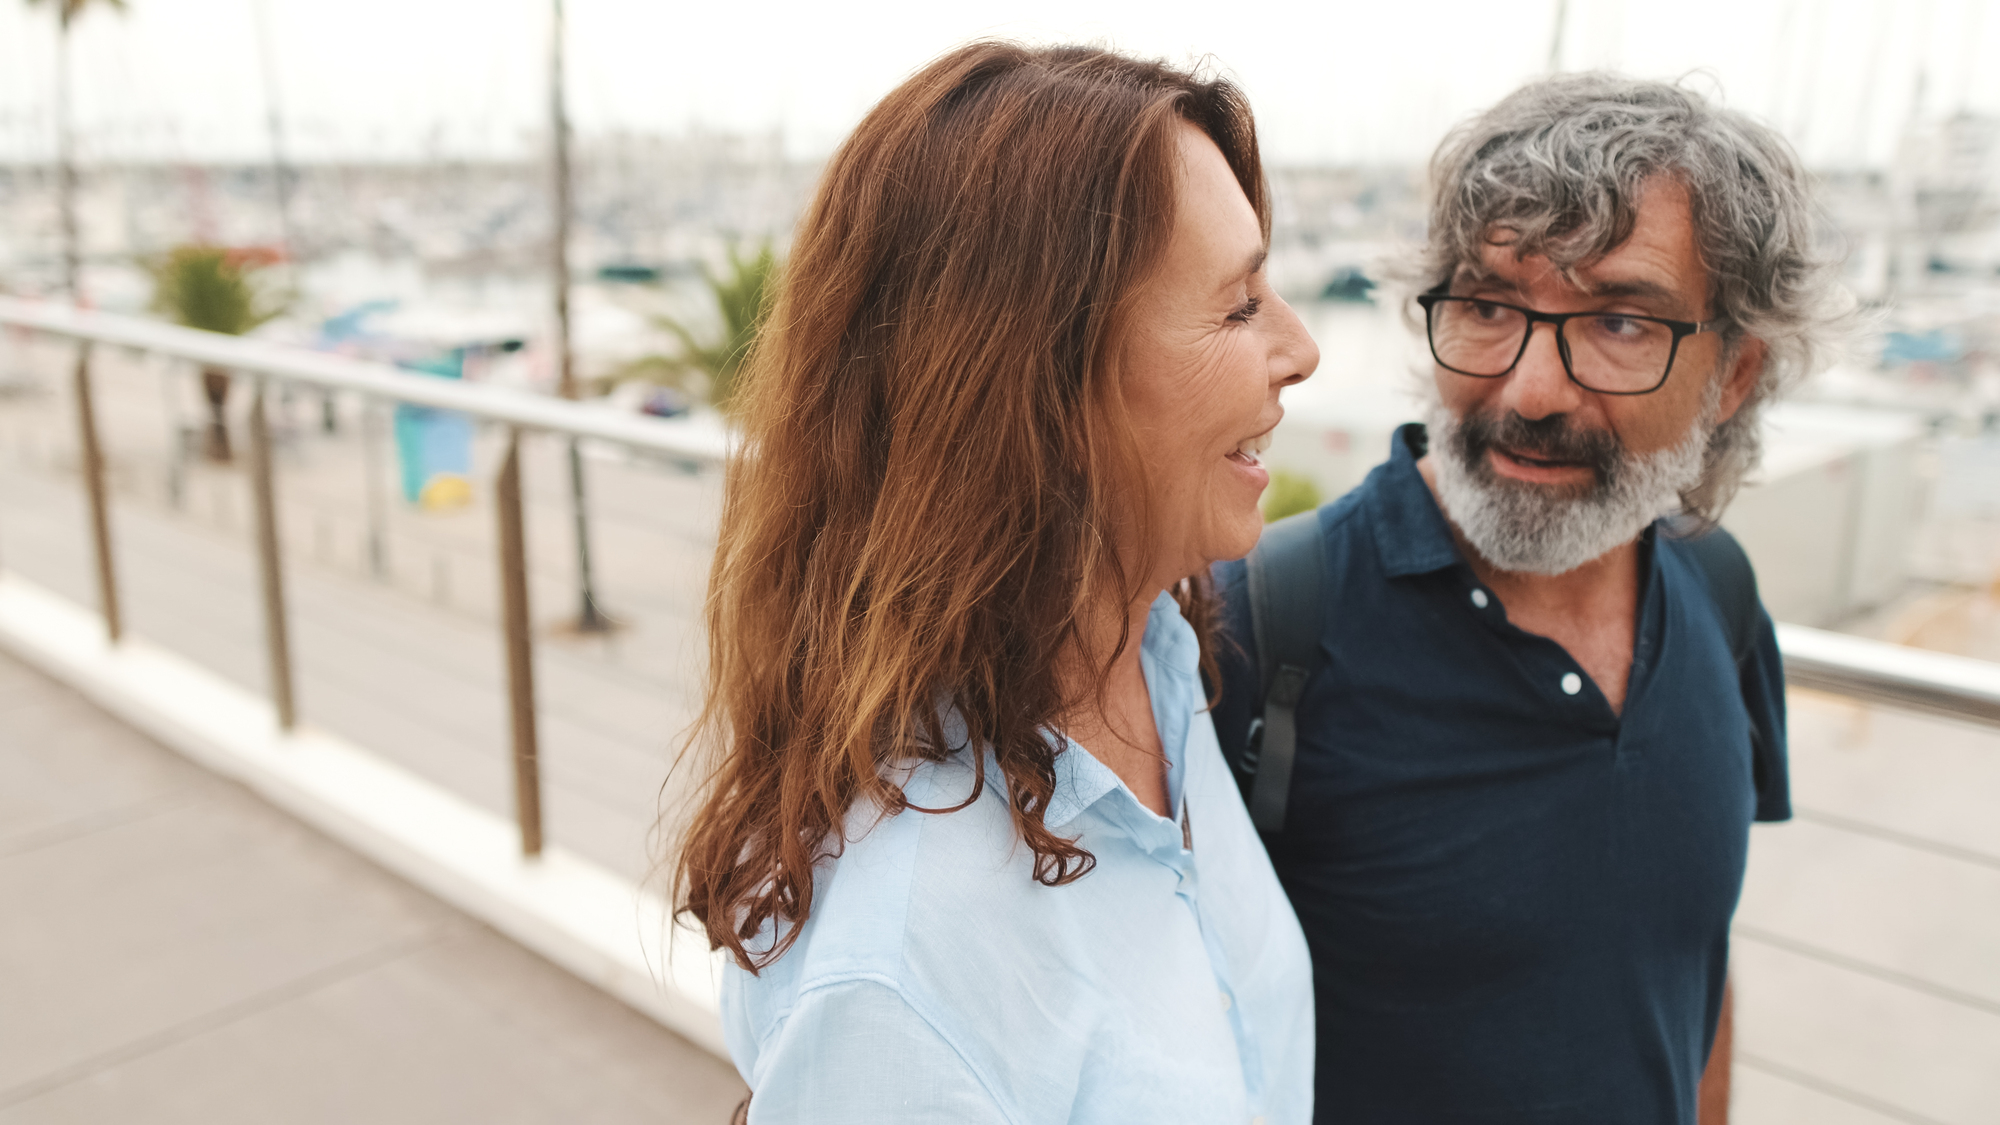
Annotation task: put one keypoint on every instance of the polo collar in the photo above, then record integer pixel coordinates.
(1411, 535)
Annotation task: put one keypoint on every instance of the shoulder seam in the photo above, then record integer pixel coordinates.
(986, 1081)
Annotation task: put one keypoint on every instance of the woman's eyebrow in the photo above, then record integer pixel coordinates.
(1251, 268)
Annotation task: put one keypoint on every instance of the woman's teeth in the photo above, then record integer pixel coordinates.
(1250, 449)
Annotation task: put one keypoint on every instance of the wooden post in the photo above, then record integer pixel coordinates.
(270, 568)
(520, 648)
(92, 454)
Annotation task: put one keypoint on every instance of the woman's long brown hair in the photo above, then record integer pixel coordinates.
(934, 471)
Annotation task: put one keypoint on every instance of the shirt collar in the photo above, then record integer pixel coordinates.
(1170, 655)
(1411, 535)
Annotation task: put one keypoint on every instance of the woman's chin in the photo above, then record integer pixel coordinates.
(1241, 538)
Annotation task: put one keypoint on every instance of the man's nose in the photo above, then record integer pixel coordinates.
(1539, 385)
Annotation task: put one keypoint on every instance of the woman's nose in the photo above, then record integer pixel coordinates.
(1298, 357)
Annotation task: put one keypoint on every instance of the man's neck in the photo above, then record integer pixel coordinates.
(1592, 611)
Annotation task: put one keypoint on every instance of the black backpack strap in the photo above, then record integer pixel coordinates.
(1733, 585)
(1285, 573)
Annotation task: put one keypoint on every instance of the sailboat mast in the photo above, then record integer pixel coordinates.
(559, 239)
(274, 122)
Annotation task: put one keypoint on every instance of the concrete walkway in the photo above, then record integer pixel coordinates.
(174, 950)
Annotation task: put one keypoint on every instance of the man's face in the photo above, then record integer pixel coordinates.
(1543, 475)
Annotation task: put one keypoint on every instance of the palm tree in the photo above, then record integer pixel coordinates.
(67, 12)
(742, 295)
(92, 454)
(211, 288)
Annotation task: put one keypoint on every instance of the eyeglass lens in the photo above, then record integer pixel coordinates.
(1607, 352)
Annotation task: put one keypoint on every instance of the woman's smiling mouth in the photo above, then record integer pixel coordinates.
(1250, 450)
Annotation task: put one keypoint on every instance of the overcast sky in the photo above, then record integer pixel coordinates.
(1332, 82)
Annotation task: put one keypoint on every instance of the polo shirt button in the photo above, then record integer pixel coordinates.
(1225, 1000)
(1479, 599)
(1572, 683)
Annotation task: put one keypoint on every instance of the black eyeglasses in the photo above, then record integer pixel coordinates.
(1609, 353)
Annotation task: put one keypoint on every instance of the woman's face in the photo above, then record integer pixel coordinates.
(1211, 345)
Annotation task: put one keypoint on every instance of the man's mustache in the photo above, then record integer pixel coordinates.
(1553, 438)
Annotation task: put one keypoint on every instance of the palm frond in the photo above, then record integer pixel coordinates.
(742, 296)
(69, 10)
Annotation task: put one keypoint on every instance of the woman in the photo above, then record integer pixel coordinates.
(1004, 416)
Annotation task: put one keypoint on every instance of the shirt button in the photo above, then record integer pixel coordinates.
(1256, 1121)
(1225, 1000)
(1479, 599)
(1572, 683)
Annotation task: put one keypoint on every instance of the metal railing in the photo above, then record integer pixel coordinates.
(1870, 670)
(263, 362)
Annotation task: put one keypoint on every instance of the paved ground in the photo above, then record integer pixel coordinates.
(175, 950)
(1868, 944)
(1867, 953)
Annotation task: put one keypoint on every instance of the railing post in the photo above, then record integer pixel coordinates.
(269, 567)
(520, 651)
(372, 487)
(100, 506)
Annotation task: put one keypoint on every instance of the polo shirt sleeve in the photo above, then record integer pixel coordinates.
(857, 1053)
(1237, 696)
(1763, 678)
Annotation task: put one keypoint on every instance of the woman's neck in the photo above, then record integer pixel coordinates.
(1117, 726)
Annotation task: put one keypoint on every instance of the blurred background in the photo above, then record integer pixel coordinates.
(411, 184)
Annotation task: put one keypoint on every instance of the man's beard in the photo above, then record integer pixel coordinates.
(1550, 529)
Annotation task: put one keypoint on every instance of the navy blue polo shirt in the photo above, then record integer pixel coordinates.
(1517, 900)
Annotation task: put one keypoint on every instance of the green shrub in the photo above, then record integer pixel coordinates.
(210, 287)
(1289, 494)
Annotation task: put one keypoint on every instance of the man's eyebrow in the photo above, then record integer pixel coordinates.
(1638, 287)
(1474, 275)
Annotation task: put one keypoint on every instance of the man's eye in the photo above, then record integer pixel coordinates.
(1487, 310)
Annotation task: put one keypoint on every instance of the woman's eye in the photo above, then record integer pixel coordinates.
(1247, 310)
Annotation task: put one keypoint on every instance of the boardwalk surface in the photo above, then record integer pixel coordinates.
(1867, 954)
(174, 950)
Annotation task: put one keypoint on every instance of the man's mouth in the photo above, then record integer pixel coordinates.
(1540, 462)
(1250, 450)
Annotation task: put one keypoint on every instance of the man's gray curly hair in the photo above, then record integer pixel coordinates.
(1556, 170)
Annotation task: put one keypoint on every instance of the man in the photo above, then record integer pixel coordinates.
(1535, 733)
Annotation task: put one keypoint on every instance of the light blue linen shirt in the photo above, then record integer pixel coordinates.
(936, 980)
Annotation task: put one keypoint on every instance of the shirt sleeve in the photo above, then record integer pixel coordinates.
(1763, 679)
(856, 1053)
